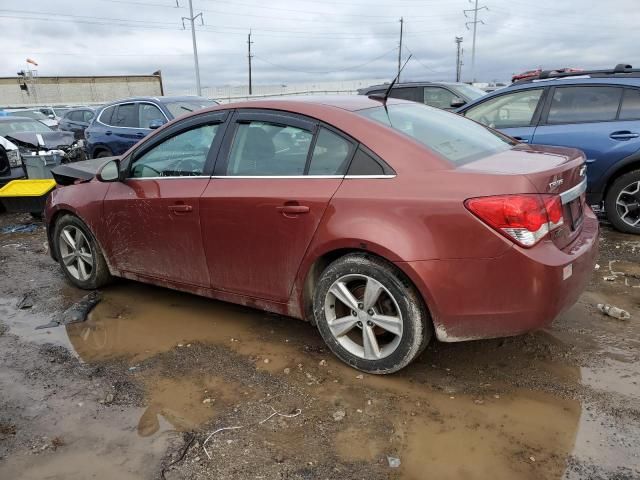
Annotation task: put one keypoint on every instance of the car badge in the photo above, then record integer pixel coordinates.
(556, 183)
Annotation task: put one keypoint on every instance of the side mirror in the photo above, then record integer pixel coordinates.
(51, 116)
(109, 172)
(157, 123)
(457, 102)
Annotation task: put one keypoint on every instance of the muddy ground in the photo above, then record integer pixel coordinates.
(143, 387)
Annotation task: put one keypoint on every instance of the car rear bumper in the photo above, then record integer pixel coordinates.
(517, 292)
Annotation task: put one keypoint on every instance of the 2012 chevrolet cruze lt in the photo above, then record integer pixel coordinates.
(384, 225)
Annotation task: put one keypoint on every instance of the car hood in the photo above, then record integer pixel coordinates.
(44, 140)
(69, 173)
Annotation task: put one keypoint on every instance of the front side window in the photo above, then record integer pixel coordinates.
(267, 149)
(107, 115)
(438, 97)
(507, 111)
(584, 104)
(451, 136)
(87, 115)
(126, 115)
(184, 154)
(630, 104)
(330, 155)
(149, 113)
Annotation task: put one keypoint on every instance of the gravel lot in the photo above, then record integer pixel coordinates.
(137, 390)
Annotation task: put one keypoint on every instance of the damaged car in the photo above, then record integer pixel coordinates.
(24, 140)
(383, 222)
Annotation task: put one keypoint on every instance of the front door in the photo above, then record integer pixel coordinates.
(512, 113)
(154, 214)
(271, 189)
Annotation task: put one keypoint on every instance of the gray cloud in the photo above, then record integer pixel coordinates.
(293, 38)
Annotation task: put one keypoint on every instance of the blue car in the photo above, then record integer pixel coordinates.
(596, 111)
(117, 126)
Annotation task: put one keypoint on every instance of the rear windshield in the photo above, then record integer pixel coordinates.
(455, 138)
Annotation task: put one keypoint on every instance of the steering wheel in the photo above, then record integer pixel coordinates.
(187, 166)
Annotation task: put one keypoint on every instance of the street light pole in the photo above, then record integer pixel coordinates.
(192, 19)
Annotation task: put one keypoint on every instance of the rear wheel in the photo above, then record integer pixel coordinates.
(103, 154)
(369, 315)
(622, 203)
(79, 254)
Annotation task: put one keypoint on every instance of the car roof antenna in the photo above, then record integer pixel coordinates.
(383, 98)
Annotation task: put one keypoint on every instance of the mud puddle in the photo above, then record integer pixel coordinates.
(450, 432)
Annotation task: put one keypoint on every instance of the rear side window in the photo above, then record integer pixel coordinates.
(630, 105)
(403, 93)
(451, 136)
(76, 116)
(364, 164)
(507, 111)
(267, 149)
(584, 104)
(126, 115)
(330, 155)
(107, 114)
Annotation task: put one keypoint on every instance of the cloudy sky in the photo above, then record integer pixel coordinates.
(308, 40)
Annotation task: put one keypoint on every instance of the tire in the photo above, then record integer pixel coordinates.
(624, 190)
(398, 306)
(103, 154)
(87, 269)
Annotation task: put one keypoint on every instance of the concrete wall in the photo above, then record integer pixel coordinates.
(77, 90)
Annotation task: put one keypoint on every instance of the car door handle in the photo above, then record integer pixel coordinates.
(293, 209)
(180, 208)
(108, 132)
(624, 135)
(522, 140)
(140, 134)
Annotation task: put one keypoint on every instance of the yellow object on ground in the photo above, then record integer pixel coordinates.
(27, 188)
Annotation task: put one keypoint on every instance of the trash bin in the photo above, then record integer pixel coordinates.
(39, 166)
(26, 196)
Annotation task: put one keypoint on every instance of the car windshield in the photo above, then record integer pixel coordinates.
(470, 91)
(455, 138)
(183, 107)
(7, 128)
(29, 114)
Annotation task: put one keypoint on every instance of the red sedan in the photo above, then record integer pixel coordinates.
(384, 225)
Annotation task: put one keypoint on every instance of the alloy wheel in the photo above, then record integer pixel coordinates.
(363, 317)
(75, 252)
(628, 204)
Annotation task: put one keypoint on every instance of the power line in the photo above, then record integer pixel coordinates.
(413, 56)
(354, 67)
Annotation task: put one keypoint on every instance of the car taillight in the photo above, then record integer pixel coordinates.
(524, 218)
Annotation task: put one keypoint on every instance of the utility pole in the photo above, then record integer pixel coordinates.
(249, 42)
(400, 49)
(475, 23)
(192, 19)
(458, 58)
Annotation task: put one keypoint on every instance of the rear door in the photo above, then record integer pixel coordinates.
(594, 119)
(514, 113)
(154, 214)
(274, 179)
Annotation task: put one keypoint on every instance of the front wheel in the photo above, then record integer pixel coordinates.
(79, 254)
(369, 315)
(622, 203)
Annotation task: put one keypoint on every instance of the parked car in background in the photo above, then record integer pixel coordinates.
(596, 111)
(33, 114)
(384, 225)
(118, 126)
(444, 95)
(76, 120)
(55, 113)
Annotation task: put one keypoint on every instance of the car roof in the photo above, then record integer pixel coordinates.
(406, 84)
(350, 103)
(167, 99)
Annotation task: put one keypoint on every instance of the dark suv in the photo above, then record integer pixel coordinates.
(595, 111)
(444, 95)
(117, 126)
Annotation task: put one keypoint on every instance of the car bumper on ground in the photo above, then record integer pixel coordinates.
(517, 292)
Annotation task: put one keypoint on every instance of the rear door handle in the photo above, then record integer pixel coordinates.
(624, 135)
(140, 134)
(293, 209)
(108, 132)
(180, 208)
(522, 140)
